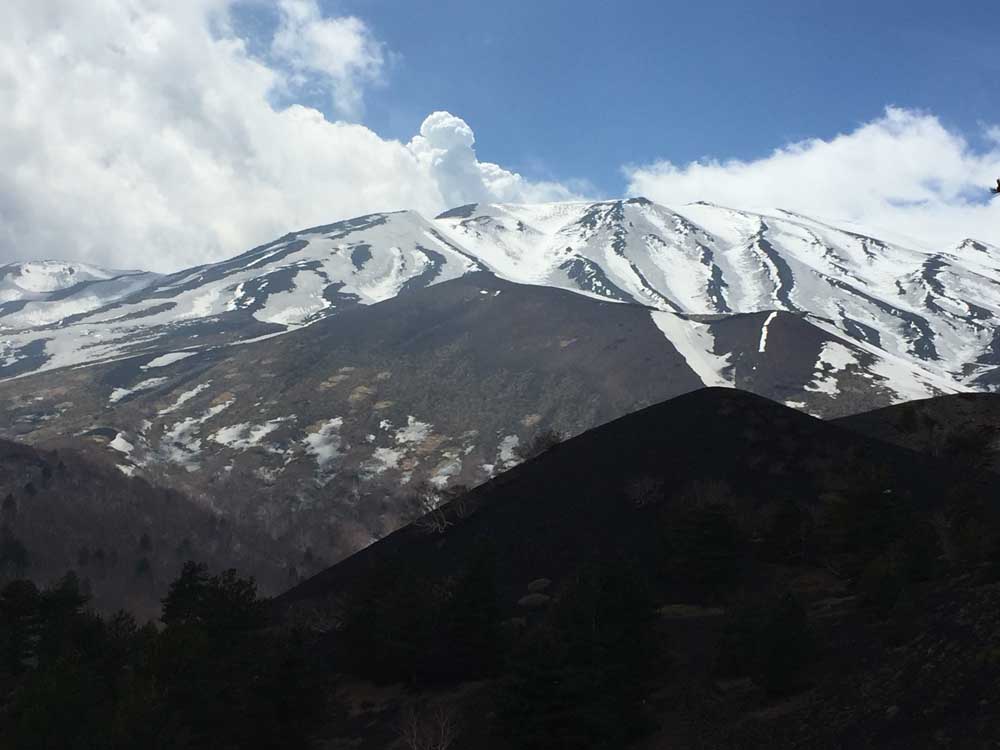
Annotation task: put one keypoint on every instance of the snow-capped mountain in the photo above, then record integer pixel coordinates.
(278, 287)
(933, 313)
(40, 293)
(923, 320)
(313, 384)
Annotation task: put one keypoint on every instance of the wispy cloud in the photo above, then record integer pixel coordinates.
(339, 52)
(904, 172)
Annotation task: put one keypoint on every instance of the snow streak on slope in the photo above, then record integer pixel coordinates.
(762, 345)
(695, 343)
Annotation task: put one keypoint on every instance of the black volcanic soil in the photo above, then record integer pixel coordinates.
(964, 426)
(544, 517)
(923, 673)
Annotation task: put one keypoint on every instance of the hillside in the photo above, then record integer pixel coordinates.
(732, 510)
(963, 427)
(714, 571)
(124, 537)
(327, 437)
(328, 386)
(599, 494)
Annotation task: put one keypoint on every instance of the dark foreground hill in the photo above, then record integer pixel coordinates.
(599, 495)
(713, 571)
(963, 427)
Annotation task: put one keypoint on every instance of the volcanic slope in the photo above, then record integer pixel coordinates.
(599, 495)
(804, 522)
(963, 427)
(125, 538)
(334, 435)
(326, 385)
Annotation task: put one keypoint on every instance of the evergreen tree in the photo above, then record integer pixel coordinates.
(403, 623)
(769, 640)
(579, 680)
(211, 679)
(65, 627)
(220, 604)
(789, 537)
(704, 549)
(471, 622)
(13, 554)
(19, 614)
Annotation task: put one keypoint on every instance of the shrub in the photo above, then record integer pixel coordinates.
(579, 679)
(539, 444)
(769, 640)
(703, 549)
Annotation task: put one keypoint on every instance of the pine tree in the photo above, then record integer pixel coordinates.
(471, 624)
(13, 553)
(19, 623)
(579, 680)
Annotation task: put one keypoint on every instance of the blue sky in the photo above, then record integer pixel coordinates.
(197, 129)
(577, 88)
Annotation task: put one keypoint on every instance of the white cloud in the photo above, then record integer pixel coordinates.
(142, 133)
(445, 148)
(905, 173)
(340, 50)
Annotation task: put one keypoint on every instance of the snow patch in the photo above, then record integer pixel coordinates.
(695, 342)
(121, 445)
(414, 432)
(506, 450)
(384, 459)
(834, 358)
(450, 467)
(119, 393)
(167, 359)
(762, 346)
(293, 308)
(9, 354)
(245, 435)
(324, 444)
(184, 398)
(180, 444)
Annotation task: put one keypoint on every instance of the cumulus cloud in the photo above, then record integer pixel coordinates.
(143, 133)
(904, 173)
(445, 148)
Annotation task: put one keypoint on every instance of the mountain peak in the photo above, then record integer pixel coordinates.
(459, 212)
